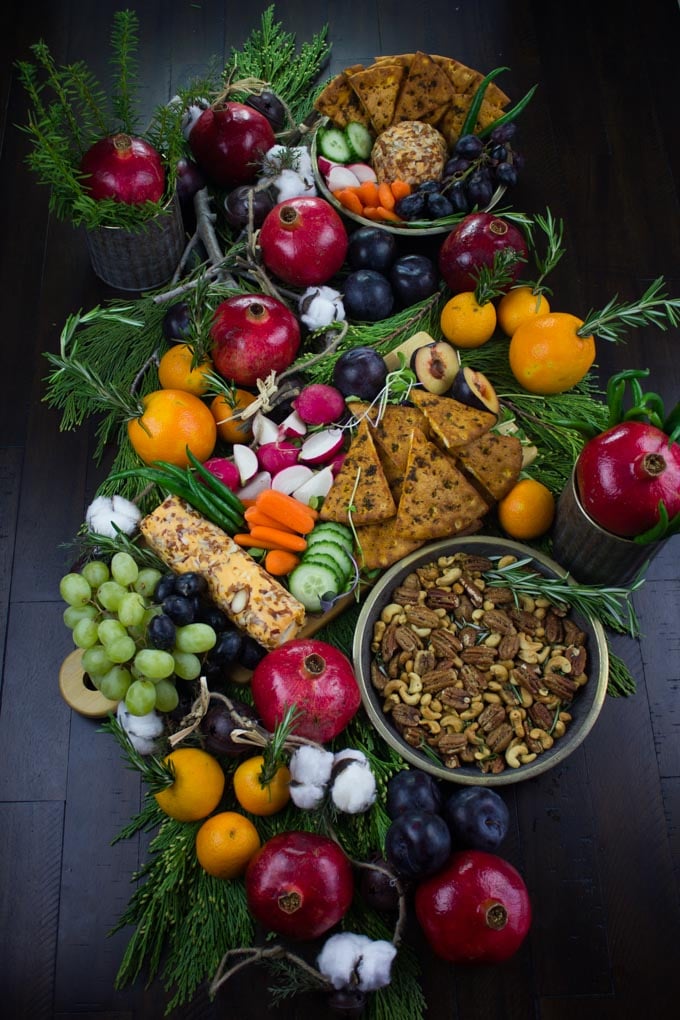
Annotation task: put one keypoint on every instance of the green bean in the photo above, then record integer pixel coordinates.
(477, 100)
(221, 515)
(510, 115)
(218, 487)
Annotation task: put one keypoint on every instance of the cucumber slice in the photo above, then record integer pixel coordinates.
(309, 581)
(337, 554)
(359, 139)
(334, 145)
(322, 560)
(325, 530)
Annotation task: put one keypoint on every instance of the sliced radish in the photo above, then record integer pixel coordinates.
(362, 171)
(337, 461)
(321, 446)
(340, 177)
(246, 461)
(274, 457)
(291, 478)
(258, 483)
(317, 486)
(225, 470)
(264, 429)
(326, 165)
(293, 425)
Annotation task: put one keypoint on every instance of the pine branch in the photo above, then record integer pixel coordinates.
(124, 44)
(654, 308)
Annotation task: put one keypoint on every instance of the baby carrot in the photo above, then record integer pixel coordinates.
(381, 213)
(400, 189)
(287, 510)
(368, 193)
(349, 199)
(370, 212)
(280, 562)
(254, 516)
(278, 538)
(385, 196)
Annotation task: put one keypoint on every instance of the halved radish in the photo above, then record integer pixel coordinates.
(274, 457)
(362, 171)
(326, 165)
(258, 483)
(321, 446)
(317, 486)
(225, 470)
(340, 177)
(246, 461)
(291, 478)
(293, 425)
(264, 429)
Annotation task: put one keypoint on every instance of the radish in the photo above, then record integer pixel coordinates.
(274, 457)
(321, 446)
(319, 404)
(293, 425)
(337, 462)
(264, 429)
(326, 165)
(225, 470)
(317, 486)
(362, 171)
(258, 483)
(341, 177)
(246, 461)
(291, 478)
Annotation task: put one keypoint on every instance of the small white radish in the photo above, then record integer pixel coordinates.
(258, 483)
(274, 457)
(363, 172)
(264, 429)
(291, 478)
(246, 461)
(291, 426)
(340, 177)
(318, 485)
(320, 404)
(321, 446)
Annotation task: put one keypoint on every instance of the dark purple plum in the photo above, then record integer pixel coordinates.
(237, 206)
(360, 372)
(190, 179)
(478, 818)
(218, 724)
(412, 790)
(176, 324)
(413, 278)
(378, 887)
(367, 296)
(417, 844)
(372, 248)
(271, 107)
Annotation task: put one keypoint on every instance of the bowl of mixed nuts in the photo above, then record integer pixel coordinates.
(471, 669)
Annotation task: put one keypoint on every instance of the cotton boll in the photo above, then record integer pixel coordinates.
(307, 796)
(350, 754)
(143, 731)
(354, 790)
(339, 956)
(321, 306)
(106, 511)
(191, 115)
(374, 967)
(311, 765)
(289, 184)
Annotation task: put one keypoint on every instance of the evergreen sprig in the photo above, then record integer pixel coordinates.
(654, 308)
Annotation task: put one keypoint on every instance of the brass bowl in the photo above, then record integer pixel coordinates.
(584, 709)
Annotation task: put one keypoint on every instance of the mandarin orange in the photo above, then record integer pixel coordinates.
(548, 356)
(171, 421)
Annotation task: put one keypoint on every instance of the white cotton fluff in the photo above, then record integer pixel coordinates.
(353, 790)
(191, 115)
(311, 765)
(321, 306)
(143, 731)
(348, 956)
(307, 796)
(350, 754)
(339, 956)
(294, 157)
(289, 184)
(106, 511)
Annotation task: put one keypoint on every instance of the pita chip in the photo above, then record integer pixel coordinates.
(378, 88)
(360, 484)
(381, 545)
(493, 461)
(454, 424)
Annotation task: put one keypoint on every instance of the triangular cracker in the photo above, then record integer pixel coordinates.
(436, 498)
(381, 545)
(378, 89)
(454, 424)
(426, 89)
(494, 461)
(360, 484)
(339, 102)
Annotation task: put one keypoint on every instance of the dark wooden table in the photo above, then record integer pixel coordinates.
(598, 838)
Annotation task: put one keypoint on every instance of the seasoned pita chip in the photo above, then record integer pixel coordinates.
(392, 430)
(436, 498)
(426, 89)
(494, 461)
(339, 102)
(381, 545)
(360, 484)
(453, 424)
(378, 89)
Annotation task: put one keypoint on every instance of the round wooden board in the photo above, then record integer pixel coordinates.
(77, 694)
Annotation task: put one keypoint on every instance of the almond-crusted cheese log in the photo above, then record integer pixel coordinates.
(250, 597)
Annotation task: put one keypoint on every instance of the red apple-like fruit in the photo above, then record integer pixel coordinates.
(229, 142)
(253, 334)
(124, 168)
(303, 241)
(299, 884)
(476, 909)
(472, 246)
(314, 677)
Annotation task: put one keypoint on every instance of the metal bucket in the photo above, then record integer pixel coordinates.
(140, 260)
(591, 554)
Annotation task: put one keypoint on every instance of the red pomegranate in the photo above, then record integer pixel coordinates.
(473, 244)
(475, 910)
(228, 143)
(303, 241)
(253, 334)
(124, 168)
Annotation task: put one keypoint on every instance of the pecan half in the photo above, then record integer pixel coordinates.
(499, 596)
(524, 621)
(424, 660)
(498, 622)
(407, 639)
(481, 656)
(378, 678)
(454, 697)
(491, 717)
(441, 598)
(407, 596)
(405, 715)
(388, 645)
(576, 654)
(560, 685)
(541, 715)
(472, 678)
(444, 643)
(421, 616)
(572, 634)
(478, 564)
(554, 629)
(509, 646)
(452, 743)
(437, 679)
(499, 738)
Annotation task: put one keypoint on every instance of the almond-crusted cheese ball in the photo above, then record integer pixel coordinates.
(410, 151)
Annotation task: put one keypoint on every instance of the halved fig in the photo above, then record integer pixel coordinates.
(436, 366)
(474, 389)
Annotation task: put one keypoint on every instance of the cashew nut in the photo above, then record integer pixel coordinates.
(516, 720)
(391, 612)
(558, 664)
(498, 670)
(543, 737)
(427, 713)
(452, 722)
(514, 753)
(433, 726)
(449, 576)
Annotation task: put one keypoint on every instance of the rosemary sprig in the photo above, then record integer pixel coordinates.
(494, 280)
(654, 308)
(156, 773)
(611, 605)
(545, 263)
